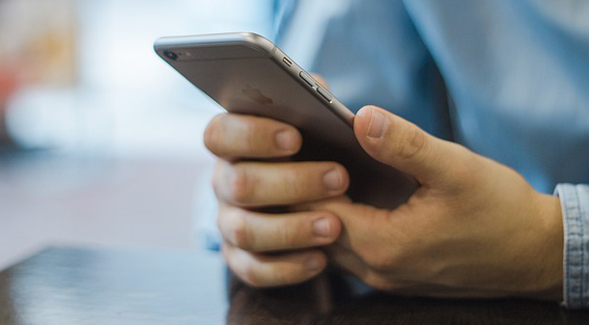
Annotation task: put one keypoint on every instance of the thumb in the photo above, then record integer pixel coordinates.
(401, 144)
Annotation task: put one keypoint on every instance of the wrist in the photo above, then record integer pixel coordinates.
(551, 244)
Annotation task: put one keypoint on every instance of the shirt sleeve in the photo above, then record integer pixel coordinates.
(575, 212)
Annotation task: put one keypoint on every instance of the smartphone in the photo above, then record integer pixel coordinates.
(246, 74)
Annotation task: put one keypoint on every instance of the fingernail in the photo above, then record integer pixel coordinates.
(286, 140)
(333, 180)
(321, 227)
(313, 264)
(377, 124)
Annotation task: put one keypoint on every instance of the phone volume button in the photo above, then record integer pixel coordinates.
(305, 76)
(324, 93)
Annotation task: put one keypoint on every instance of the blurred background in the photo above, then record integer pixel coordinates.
(101, 141)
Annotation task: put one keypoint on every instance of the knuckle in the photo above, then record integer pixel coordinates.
(225, 253)
(469, 171)
(296, 183)
(293, 235)
(239, 188)
(216, 180)
(413, 143)
(248, 132)
(240, 235)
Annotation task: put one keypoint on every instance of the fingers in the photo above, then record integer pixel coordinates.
(257, 184)
(233, 136)
(401, 144)
(258, 232)
(259, 270)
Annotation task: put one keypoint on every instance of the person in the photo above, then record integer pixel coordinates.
(485, 103)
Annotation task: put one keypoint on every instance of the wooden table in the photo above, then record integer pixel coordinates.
(66, 285)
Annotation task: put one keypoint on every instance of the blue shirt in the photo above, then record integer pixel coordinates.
(507, 79)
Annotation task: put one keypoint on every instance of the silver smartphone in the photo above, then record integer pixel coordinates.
(246, 74)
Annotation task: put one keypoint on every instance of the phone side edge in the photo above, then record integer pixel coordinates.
(253, 40)
(335, 106)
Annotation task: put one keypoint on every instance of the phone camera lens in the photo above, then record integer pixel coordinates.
(171, 55)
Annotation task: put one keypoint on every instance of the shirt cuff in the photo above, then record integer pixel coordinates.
(574, 201)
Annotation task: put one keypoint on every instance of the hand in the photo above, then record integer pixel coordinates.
(474, 228)
(266, 249)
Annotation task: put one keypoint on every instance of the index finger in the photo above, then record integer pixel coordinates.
(234, 136)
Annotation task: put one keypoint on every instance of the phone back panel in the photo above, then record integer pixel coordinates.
(246, 74)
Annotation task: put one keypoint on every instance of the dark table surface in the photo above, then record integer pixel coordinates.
(66, 285)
